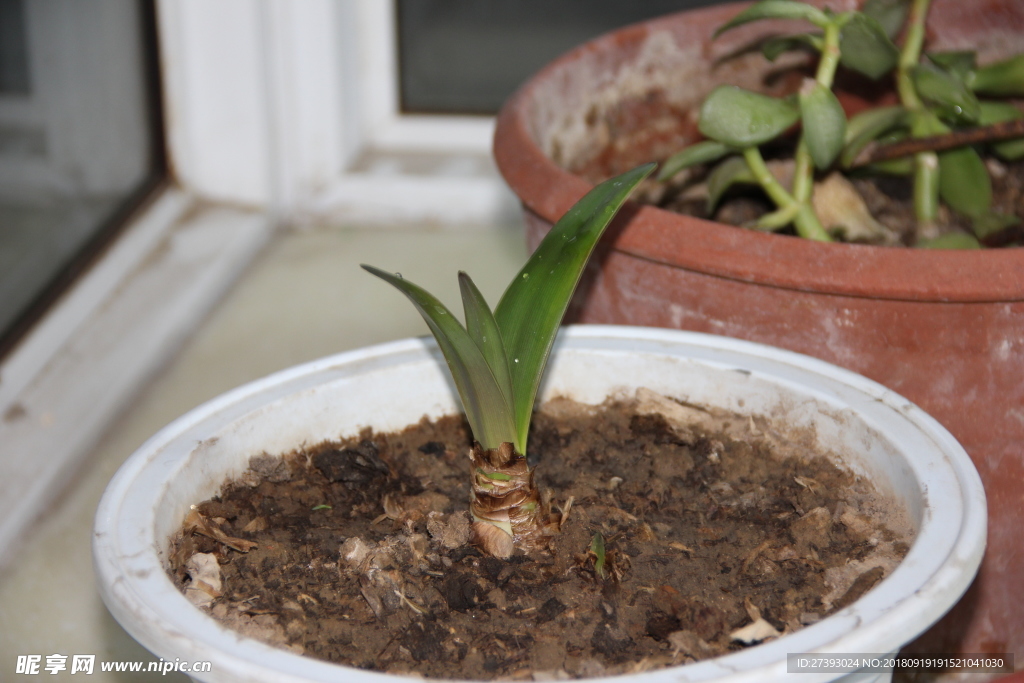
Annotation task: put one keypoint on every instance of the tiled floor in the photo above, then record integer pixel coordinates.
(305, 297)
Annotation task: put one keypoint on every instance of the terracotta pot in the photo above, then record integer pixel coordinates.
(944, 328)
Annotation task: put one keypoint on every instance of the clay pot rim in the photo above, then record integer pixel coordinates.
(785, 262)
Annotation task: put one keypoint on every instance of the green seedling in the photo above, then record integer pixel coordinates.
(939, 96)
(597, 549)
(498, 358)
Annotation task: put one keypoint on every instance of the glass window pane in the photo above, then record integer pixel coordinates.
(79, 140)
(467, 56)
(13, 62)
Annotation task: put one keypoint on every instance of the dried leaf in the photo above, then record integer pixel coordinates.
(683, 420)
(195, 522)
(690, 643)
(204, 570)
(255, 524)
(452, 532)
(840, 208)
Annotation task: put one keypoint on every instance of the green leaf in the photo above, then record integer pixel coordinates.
(597, 547)
(777, 45)
(952, 240)
(728, 173)
(741, 118)
(963, 181)
(950, 97)
(483, 330)
(992, 223)
(700, 153)
(959, 63)
(898, 167)
(867, 126)
(1003, 79)
(864, 47)
(776, 9)
(998, 112)
(890, 14)
(532, 307)
(924, 123)
(490, 418)
(824, 123)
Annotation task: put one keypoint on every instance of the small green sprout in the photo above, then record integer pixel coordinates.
(597, 548)
(938, 97)
(322, 506)
(498, 358)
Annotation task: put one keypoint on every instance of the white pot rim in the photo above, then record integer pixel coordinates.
(937, 570)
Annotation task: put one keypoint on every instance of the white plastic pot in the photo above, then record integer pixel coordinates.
(876, 432)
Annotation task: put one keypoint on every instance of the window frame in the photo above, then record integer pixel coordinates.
(271, 108)
(310, 90)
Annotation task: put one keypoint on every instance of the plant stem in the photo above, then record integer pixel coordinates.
(505, 504)
(926, 164)
(926, 192)
(994, 132)
(910, 55)
(807, 224)
(803, 173)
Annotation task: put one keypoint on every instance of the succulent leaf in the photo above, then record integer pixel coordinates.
(964, 182)
(824, 123)
(1003, 79)
(959, 63)
(998, 112)
(993, 223)
(776, 9)
(777, 45)
(741, 118)
(699, 153)
(890, 14)
(952, 240)
(869, 125)
(865, 47)
(950, 97)
(732, 171)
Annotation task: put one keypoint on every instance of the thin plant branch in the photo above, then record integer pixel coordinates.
(995, 132)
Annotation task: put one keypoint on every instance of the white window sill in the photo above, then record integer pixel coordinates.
(82, 364)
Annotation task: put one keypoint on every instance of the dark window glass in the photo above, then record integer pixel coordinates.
(468, 56)
(13, 50)
(80, 141)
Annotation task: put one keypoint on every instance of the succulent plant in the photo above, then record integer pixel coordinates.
(929, 135)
